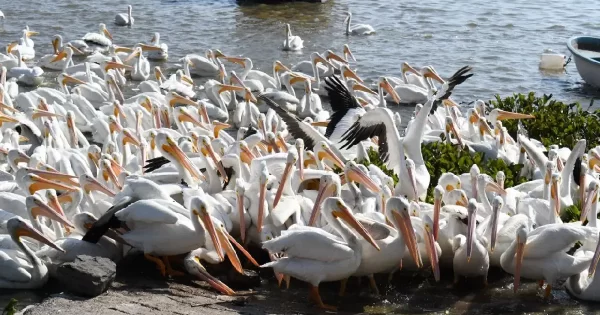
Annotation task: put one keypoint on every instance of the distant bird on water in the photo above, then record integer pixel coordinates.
(123, 19)
(357, 29)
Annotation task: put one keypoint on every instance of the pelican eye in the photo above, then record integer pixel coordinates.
(269, 238)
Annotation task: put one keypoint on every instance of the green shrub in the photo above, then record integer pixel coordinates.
(441, 157)
(11, 307)
(555, 122)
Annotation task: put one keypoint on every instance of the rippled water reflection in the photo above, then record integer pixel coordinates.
(502, 41)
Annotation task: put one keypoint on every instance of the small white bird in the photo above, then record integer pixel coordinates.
(123, 19)
(357, 29)
(291, 42)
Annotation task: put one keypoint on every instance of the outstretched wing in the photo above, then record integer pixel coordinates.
(296, 127)
(457, 78)
(368, 126)
(341, 101)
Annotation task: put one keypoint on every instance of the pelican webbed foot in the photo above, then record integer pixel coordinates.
(548, 291)
(373, 284)
(159, 264)
(169, 270)
(343, 284)
(316, 297)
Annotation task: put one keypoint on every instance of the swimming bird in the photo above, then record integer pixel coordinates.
(124, 19)
(357, 29)
(292, 42)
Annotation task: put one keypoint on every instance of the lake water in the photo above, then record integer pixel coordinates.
(501, 40)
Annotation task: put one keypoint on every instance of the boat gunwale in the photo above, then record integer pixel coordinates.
(575, 51)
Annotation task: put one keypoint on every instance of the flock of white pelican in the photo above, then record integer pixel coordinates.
(85, 170)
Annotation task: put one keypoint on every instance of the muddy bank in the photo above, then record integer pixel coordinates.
(139, 289)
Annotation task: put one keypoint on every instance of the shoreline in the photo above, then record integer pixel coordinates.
(139, 289)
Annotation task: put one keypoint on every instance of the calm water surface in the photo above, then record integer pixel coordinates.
(501, 40)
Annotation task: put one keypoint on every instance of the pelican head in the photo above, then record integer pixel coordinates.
(456, 197)
(348, 53)
(329, 185)
(497, 204)
(410, 170)
(500, 178)
(240, 191)
(353, 173)
(299, 144)
(291, 159)
(200, 209)
(428, 72)
(17, 228)
(324, 152)
(405, 67)
(38, 207)
(498, 114)
(590, 201)
(335, 208)
(173, 152)
(472, 218)
(263, 180)
(385, 84)
(397, 209)
(104, 31)
(449, 181)
(438, 193)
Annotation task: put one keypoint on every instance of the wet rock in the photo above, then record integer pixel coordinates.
(86, 275)
(242, 281)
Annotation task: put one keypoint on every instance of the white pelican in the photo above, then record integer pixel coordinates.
(124, 19)
(163, 228)
(328, 258)
(393, 242)
(162, 53)
(97, 41)
(310, 105)
(542, 253)
(58, 46)
(25, 45)
(292, 42)
(18, 273)
(471, 257)
(141, 67)
(357, 29)
(204, 66)
(586, 285)
(26, 75)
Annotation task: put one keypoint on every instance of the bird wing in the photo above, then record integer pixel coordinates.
(296, 127)
(377, 230)
(11, 270)
(556, 238)
(287, 206)
(372, 123)
(323, 246)
(147, 211)
(341, 101)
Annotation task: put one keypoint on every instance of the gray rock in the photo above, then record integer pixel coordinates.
(86, 275)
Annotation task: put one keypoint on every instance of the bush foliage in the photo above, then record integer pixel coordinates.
(555, 122)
